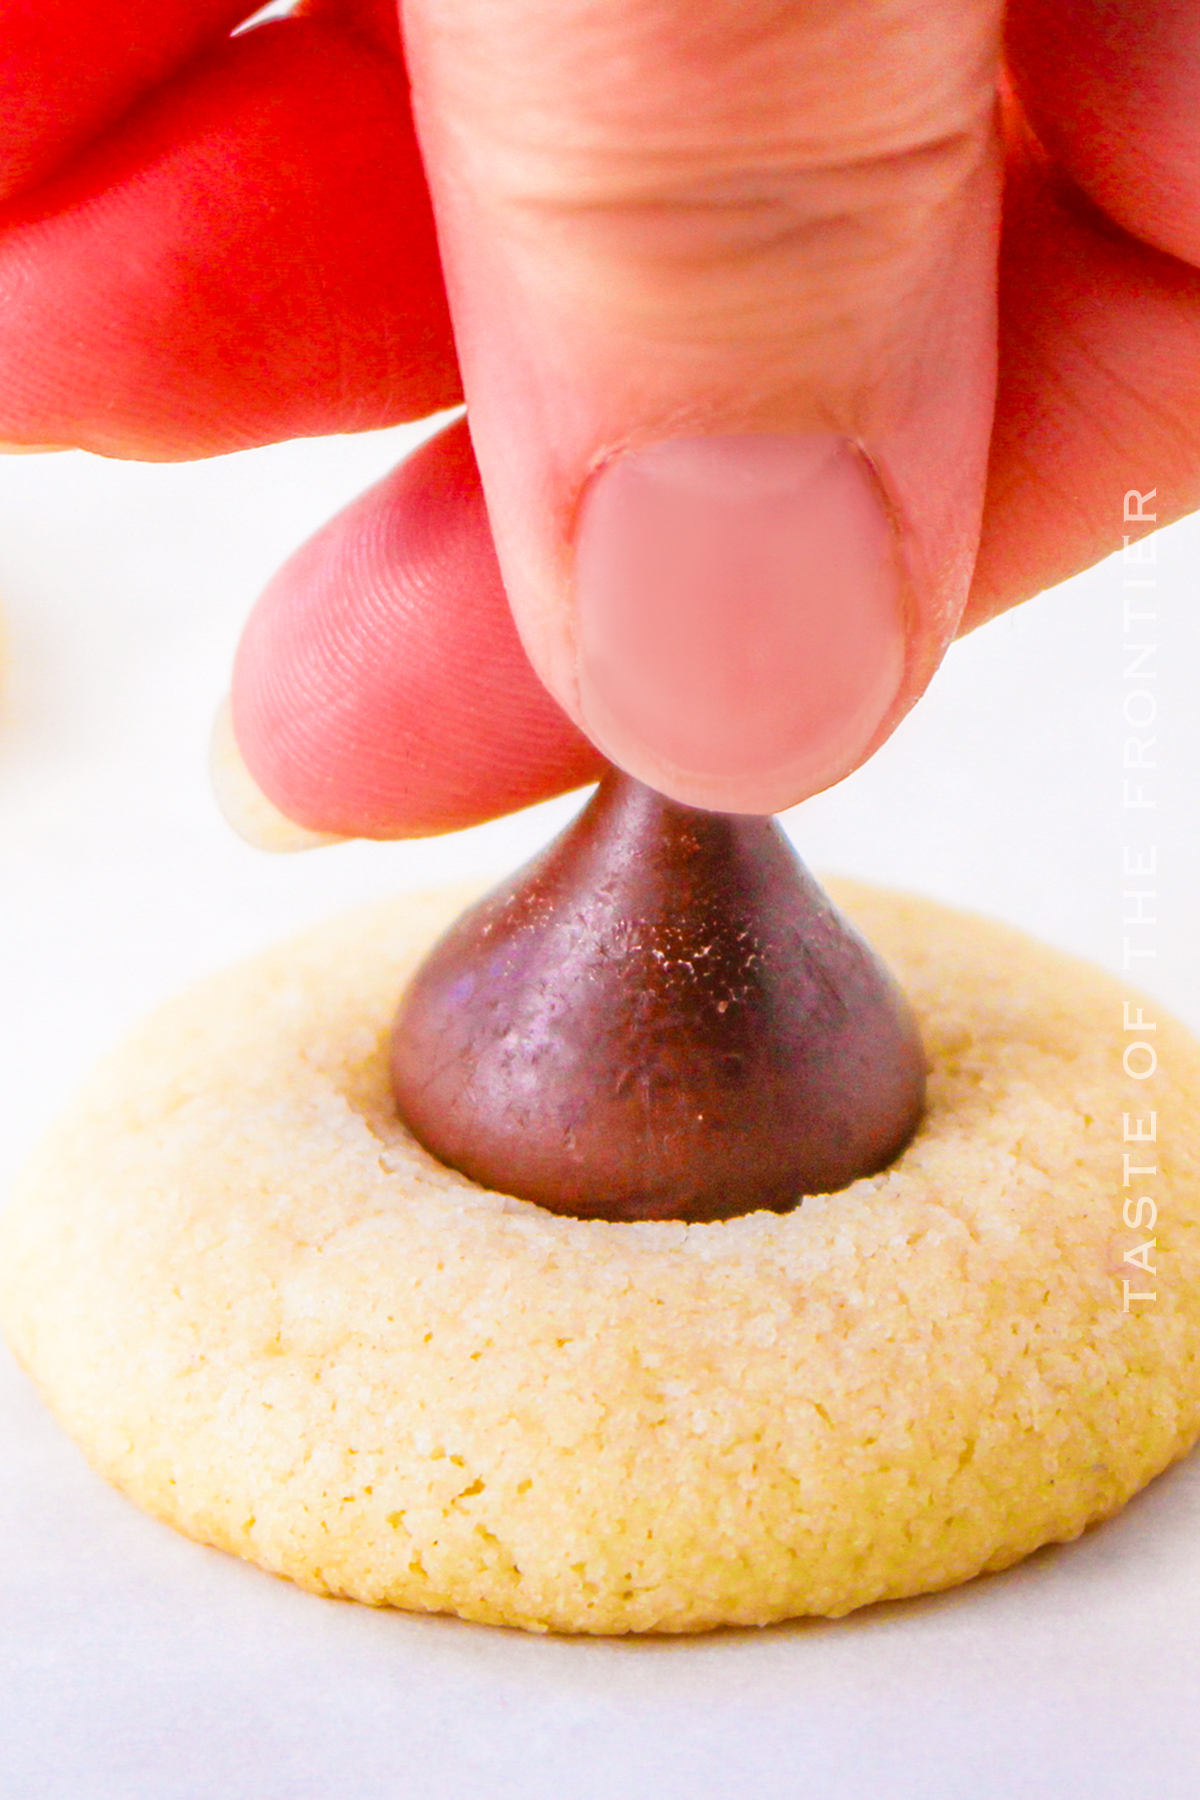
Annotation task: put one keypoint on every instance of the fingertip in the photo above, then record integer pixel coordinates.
(380, 688)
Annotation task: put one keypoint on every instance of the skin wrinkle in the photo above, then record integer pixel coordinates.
(799, 198)
(754, 190)
(805, 263)
(732, 90)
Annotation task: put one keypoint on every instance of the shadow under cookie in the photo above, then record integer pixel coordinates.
(273, 1320)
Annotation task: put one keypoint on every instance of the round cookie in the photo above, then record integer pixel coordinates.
(277, 1323)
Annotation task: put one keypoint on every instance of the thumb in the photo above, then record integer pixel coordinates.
(722, 277)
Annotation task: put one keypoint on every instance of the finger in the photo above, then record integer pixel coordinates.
(722, 281)
(1111, 89)
(1099, 389)
(1099, 393)
(380, 689)
(68, 70)
(249, 255)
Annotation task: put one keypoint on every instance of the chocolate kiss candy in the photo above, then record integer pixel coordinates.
(661, 1017)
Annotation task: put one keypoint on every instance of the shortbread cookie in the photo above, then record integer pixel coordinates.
(274, 1321)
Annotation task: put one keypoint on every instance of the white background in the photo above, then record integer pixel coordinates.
(137, 1666)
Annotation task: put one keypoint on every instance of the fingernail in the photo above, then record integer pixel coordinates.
(243, 804)
(740, 616)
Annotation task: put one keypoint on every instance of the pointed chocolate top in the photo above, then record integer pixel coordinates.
(661, 1017)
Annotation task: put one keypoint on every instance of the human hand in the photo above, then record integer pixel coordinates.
(769, 228)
